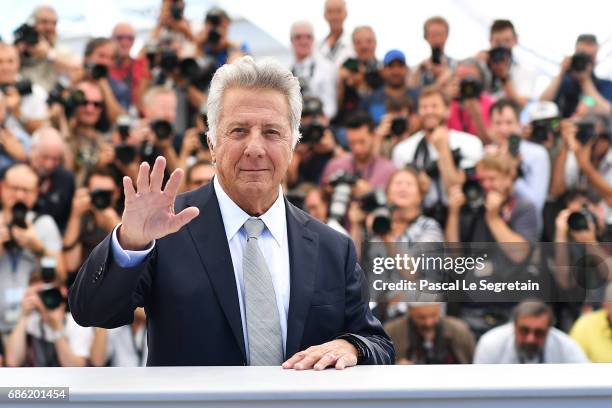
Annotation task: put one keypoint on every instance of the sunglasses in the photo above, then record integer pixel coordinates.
(97, 104)
(538, 333)
(121, 37)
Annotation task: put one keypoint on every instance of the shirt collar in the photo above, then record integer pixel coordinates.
(234, 217)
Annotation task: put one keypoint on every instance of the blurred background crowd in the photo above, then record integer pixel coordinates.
(448, 150)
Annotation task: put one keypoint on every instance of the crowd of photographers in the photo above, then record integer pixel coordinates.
(446, 151)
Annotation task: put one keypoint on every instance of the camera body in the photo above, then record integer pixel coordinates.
(498, 55)
(514, 145)
(469, 88)
(19, 213)
(26, 33)
(101, 199)
(213, 17)
(96, 71)
(375, 203)
(342, 182)
(399, 126)
(579, 220)
(23, 87)
(586, 131)
(473, 191)
(579, 62)
(70, 99)
(162, 129)
(436, 55)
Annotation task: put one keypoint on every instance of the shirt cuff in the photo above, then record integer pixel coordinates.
(125, 258)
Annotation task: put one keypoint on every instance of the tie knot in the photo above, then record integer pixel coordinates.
(254, 227)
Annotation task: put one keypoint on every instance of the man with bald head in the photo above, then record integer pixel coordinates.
(133, 72)
(27, 107)
(336, 46)
(316, 74)
(56, 184)
(45, 61)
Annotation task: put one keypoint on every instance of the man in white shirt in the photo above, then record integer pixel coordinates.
(437, 152)
(336, 46)
(316, 74)
(529, 339)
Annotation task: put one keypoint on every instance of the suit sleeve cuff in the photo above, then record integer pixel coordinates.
(363, 352)
(126, 258)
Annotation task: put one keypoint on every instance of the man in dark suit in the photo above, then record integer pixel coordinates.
(237, 275)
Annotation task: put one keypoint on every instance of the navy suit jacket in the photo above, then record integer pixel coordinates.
(188, 288)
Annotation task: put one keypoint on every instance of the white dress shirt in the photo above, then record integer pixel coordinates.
(320, 77)
(273, 243)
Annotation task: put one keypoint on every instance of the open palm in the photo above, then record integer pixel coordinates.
(149, 210)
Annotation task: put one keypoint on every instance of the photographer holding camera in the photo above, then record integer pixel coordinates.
(394, 73)
(508, 78)
(316, 74)
(212, 41)
(368, 168)
(316, 148)
(172, 22)
(396, 125)
(86, 136)
(532, 159)
(99, 58)
(358, 77)
(470, 103)
(439, 153)
(42, 60)
(25, 101)
(584, 161)
(576, 84)
(46, 335)
(56, 184)
(93, 215)
(436, 69)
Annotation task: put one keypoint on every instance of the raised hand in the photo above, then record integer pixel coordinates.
(149, 211)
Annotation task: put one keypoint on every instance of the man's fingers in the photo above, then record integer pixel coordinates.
(128, 188)
(173, 183)
(328, 359)
(308, 361)
(142, 181)
(346, 360)
(157, 174)
(294, 359)
(184, 217)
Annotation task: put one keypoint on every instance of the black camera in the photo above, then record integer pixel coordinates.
(68, 98)
(473, 191)
(431, 167)
(469, 88)
(312, 132)
(498, 55)
(23, 87)
(162, 129)
(51, 298)
(101, 199)
(176, 10)
(541, 128)
(579, 220)
(168, 60)
(18, 219)
(514, 144)
(96, 71)
(27, 34)
(580, 61)
(125, 153)
(436, 55)
(372, 75)
(586, 131)
(351, 64)
(399, 126)
(342, 182)
(198, 72)
(214, 18)
(375, 202)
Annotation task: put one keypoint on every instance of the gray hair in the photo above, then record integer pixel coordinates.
(264, 74)
(301, 23)
(43, 134)
(532, 308)
(474, 63)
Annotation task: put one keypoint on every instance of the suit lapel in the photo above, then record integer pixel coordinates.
(208, 234)
(303, 253)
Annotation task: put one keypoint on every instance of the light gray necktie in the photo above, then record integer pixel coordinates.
(263, 326)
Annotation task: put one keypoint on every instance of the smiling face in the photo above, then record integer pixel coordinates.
(403, 190)
(253, 147)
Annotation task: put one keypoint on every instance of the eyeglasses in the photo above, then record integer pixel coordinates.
(121, 37)
(538, 333)
(97, 104)
(300, 36)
